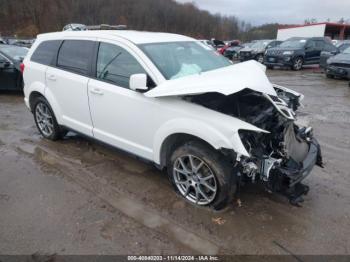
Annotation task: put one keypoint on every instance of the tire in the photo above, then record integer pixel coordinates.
(298, 64)
(45, 120)
(260, 58)
(270, 67)
(330, 76)
(213, 184)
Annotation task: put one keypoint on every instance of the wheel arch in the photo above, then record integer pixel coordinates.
(43, 92)
(175, 140)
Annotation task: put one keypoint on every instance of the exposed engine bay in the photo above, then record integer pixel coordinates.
(280, 159)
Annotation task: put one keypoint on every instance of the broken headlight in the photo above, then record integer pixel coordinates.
(255, 143)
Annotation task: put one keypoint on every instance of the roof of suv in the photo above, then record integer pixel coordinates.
(137, 37)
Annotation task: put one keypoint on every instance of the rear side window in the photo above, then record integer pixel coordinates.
(75, 56)
(116, 65)
(45, 52)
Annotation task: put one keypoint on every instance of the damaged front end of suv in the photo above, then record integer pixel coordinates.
(280, 158)
(267, 145)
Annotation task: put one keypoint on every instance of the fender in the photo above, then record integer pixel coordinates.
(217, 137)
(34, 87)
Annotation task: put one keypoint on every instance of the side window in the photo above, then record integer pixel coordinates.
(75, 56)
(116, 65)
(45, 52)
(320, 44)
(310, 44)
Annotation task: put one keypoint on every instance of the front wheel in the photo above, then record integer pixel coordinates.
(298, 64)
(202, 175)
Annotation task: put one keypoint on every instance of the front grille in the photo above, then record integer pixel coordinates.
(342, 65)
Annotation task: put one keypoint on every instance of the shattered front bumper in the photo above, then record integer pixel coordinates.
(314, 157)
(294, 189)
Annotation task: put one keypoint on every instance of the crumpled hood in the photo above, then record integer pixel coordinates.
(227, 81)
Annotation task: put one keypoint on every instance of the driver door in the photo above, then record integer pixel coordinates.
(121, 117)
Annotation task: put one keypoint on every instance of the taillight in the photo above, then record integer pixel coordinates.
(21, 67)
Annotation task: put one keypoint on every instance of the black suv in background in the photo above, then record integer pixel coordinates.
(256, 50)
(296, 52)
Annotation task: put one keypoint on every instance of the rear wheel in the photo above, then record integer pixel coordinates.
(269, 67)
(298, 64)
(45, 120)
(201, 175)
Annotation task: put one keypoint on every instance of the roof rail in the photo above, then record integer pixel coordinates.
(106, 27)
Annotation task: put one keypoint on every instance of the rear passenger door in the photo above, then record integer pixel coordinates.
(310, 52)
(320, 46)
(67, 84)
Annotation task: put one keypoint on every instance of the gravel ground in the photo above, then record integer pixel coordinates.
(77, 196)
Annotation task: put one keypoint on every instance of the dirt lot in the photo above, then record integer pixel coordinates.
(79, 197)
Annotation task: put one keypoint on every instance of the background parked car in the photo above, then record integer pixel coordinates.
(256, 50)
(10, 72)
(232, 51)
(296, 52)
(207, 43)
(24, 42)
(74, 27)
(218, 43)
(339, 65)
(330, 51)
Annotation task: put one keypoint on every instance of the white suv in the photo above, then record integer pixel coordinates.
(172, 100)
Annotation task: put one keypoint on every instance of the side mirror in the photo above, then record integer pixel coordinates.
(138, 82)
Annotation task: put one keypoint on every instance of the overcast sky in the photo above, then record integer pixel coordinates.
(281, 11)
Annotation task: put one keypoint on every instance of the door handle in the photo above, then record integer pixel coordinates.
(52, 77)
(96, 91)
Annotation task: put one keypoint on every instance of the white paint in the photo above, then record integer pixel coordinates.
(138, 122)
(304, 31)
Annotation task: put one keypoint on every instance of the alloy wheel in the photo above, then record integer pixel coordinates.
(298, 64)
(44, 119)
(194, 179)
